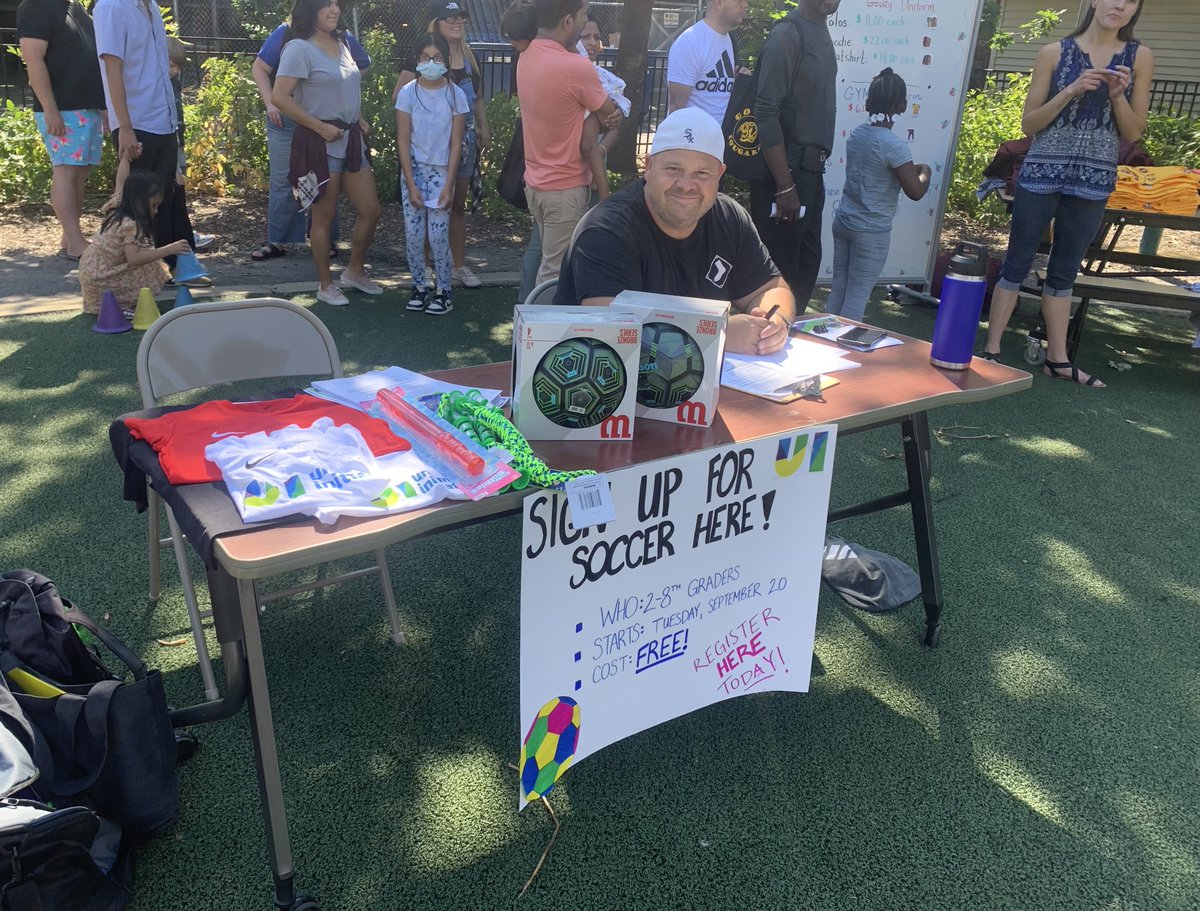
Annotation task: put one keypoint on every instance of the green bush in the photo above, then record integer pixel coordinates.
(1172, 140)
(25, 174)
(502, 112)
(226, 130)
(25, 170)
(378, 109)
(991, 116)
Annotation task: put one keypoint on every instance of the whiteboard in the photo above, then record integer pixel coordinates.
(930, 44)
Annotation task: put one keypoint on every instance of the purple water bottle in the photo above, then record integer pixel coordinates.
(962, 303)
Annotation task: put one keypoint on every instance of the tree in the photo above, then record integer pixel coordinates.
(631, 66)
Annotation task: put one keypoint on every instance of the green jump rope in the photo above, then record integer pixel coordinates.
(469, 413)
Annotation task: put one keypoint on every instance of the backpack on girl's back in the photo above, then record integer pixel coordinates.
(430, 122)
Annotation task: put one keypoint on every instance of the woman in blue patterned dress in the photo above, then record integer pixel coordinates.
(1087, 92)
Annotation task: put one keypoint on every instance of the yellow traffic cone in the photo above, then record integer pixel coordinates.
(147, 311)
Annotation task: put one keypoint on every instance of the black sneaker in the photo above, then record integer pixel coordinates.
(439, 304)
(418, 300)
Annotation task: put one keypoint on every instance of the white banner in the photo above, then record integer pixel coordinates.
(930, 44)
(704, 588)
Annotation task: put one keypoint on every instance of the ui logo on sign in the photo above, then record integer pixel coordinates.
(791, 454)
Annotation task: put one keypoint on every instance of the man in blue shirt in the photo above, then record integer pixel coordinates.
(132, 46)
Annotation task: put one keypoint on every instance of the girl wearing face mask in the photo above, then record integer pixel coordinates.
(430, 120)
(450, 23)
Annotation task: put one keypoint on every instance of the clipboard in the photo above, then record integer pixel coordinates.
(784, 398)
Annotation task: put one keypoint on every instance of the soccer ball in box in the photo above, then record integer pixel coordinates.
(683, 342)
(575, 372)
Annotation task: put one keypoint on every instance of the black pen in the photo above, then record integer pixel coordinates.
(772, 312)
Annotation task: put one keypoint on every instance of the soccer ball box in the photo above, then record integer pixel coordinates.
(683, 343)
(575, 372)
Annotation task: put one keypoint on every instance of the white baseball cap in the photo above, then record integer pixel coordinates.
(691, 129)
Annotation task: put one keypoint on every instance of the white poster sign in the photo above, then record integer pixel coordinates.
(702, 589)
(930, 44)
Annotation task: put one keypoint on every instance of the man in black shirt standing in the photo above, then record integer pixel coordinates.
(673, 233)
(795, 111)
(59, 46)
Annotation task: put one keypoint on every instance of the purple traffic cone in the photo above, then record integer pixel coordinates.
(183, 297)
(111, 320)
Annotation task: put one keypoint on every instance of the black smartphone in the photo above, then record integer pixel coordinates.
(861, 337)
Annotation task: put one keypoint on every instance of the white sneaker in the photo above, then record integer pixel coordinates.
(333, 296)
(439, 304)
(204, 241)
(364, 284)
(464, 276)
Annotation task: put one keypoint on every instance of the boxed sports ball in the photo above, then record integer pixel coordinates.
(575, 372)
(683, 342)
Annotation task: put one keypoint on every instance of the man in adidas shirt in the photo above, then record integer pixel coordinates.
(701, 65)
(673, 233)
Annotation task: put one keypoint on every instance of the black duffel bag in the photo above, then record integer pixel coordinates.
(102, 741)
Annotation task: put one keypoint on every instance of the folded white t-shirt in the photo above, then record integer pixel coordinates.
(324, 471)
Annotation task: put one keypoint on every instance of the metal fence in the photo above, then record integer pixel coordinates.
(496, 62)
(1167, 96)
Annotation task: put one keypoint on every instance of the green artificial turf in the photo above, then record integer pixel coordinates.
(1044, 757)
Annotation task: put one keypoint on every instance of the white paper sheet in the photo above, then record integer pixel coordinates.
(799, 358)
(359, 391)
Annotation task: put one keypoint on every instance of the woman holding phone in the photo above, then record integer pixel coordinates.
(1087, 92)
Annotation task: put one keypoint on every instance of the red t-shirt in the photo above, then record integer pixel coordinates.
(179, 437)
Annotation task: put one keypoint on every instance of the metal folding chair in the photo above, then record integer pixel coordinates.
(543, 293)
(219, 342)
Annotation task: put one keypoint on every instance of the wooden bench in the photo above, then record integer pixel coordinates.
(1126, 256)
(1147, 292)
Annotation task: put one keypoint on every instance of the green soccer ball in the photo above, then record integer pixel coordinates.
(579, 382)
(671, 368)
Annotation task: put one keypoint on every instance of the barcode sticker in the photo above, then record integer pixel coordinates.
(590, 501)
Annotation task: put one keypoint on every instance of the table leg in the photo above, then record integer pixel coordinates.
(266, 754)
(915, 432)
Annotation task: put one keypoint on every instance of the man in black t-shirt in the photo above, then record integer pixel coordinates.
(673, 233)
(795, 109)
(59, 46)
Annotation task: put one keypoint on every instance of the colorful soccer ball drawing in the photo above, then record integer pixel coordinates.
(671, 368)
(549, 746)
(579, 382)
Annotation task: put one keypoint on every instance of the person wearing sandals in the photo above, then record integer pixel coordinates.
(318, 86)
(286, 221)
(1087, 92)
(58, 43)
(450, 22)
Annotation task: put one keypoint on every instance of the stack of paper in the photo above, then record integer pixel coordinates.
(359, 391)
(776, 376)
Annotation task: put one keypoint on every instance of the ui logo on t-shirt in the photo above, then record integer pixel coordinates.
(718, 271)
(719, 78)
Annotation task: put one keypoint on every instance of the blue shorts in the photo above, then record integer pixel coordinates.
(82, 145)
(470, 152)
(338, 165)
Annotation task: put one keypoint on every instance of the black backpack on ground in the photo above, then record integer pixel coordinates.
(51, 860)
(101, 741)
